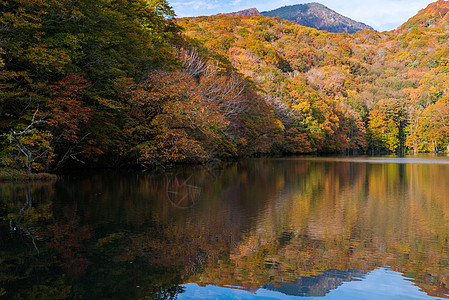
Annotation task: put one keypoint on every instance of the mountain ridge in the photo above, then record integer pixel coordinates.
(244, 12)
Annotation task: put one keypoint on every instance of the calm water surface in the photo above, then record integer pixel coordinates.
(324, 228)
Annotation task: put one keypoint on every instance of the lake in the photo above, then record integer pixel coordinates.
(269, 228)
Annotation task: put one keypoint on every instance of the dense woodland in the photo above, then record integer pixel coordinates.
(123, 83)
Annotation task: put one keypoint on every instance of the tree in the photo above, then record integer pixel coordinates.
(30, 140)
(172, 120)
(355, 130)
(396, 110)
(433, 127)
(296, 142)
(67, 118)
(382, 132)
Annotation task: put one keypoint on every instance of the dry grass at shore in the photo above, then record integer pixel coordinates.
(16, 175)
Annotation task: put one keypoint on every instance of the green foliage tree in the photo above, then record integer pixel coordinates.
(433, 128)
(396, 110)
(382, 132)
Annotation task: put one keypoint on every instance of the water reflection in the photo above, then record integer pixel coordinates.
(380, 284)
(305, 226)
(316, 286)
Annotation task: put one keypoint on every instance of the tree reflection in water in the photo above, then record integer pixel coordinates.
(297, 226)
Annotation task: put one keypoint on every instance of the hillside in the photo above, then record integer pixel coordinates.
(433, 16)
(337, 92)
(317, 16)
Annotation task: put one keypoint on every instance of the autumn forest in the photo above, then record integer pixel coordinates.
(125, 83)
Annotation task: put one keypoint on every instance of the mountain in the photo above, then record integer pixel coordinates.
(317, 16)
(245, 12)
(434, 15)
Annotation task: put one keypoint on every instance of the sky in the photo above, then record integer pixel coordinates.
(382, 15)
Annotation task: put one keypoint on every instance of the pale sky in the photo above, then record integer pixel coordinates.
(382, 15)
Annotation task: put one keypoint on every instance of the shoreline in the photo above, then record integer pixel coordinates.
(8, 175)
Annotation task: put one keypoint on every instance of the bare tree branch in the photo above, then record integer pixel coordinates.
(194, 64)
(18, 138)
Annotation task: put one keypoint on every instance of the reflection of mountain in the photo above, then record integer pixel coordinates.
(316, 286)
(378, 284)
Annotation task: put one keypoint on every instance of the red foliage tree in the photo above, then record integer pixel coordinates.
(67, 117)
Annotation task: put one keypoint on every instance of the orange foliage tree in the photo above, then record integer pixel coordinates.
(172, 120)
(67, 119)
